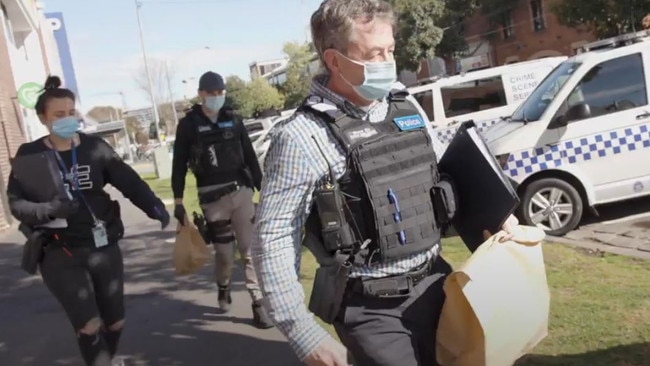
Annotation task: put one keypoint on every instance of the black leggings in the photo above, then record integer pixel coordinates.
(89, 283)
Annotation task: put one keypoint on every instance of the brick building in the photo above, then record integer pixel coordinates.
(529, 31)
(25, 55)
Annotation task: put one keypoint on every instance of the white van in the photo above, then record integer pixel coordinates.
(262, 138)
(582, 138)
(483, 96)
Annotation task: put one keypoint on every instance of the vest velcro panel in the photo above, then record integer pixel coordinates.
(404, 164)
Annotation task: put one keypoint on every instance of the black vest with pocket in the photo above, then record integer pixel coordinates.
(218, 148)
(391, 170)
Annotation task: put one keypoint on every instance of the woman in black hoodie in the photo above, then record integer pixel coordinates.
(82, 263)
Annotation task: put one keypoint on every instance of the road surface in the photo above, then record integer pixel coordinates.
(170, 321)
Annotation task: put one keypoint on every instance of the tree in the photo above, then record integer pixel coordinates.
(132, 127)
(103, 114)
(162, 76)
(296, 87)
(234, 88)
(605, 18)
(258, 96)
(427, 28)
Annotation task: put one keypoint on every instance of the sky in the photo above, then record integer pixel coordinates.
(194, 36)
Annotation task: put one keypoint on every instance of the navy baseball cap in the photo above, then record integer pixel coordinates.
(211, 81)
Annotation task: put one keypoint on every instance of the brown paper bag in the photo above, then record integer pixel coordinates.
(497, 303)
(190, 251)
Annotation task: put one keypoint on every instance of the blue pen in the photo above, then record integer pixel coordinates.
(397, 215)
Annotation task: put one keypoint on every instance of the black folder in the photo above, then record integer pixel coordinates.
(485, 198)
(39, 176)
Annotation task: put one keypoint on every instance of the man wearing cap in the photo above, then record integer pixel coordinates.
(212, 141)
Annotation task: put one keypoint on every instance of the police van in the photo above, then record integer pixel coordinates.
(483, 95)
(582, 137)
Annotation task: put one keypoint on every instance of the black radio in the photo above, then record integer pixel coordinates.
(330, 205)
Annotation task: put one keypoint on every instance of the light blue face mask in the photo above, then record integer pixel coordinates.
(378, 79)
(214, 103)
(66, 127)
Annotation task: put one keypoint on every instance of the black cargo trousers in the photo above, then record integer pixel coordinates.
(394, 331)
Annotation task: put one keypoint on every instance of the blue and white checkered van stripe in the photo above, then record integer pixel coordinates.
(526, 162)
(446, 134)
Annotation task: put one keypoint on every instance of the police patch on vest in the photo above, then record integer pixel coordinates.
(408, 123)
(204, 128)
(363, 133)
(227, 124)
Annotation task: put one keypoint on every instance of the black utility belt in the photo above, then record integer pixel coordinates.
(393, 286)
(216, 194)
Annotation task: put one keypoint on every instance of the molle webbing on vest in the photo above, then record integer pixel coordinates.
(392, 170)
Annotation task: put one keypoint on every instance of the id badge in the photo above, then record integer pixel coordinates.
(99, 235)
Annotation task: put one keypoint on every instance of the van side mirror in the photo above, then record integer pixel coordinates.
(578, 112)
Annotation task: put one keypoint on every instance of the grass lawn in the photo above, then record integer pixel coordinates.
(600, 305)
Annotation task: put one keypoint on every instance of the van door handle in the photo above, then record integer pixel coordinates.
(643, 116)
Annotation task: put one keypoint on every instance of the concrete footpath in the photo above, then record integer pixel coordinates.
(170, 320)
(622, 228)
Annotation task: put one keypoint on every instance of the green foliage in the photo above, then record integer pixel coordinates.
(428, 28)
(605, 18)
(296, 88)
(234, 87)
(453, 40)
(418, 31)
(257, 96)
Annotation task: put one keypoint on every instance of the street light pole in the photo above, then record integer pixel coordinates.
(171, 94)
(156, 116)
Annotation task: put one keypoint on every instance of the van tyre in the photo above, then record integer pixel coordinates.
(551, 204)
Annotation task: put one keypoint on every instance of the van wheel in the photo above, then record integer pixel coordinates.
(551, 204)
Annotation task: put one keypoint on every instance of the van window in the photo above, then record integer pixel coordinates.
(425, 99)
(538, 101)
(612, 86)
(473, 96)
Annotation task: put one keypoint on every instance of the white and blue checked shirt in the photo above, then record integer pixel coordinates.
(292, 168)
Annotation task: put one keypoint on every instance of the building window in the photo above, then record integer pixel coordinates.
(9, 29)
(473, 96)
(537, 11)
(508, 30)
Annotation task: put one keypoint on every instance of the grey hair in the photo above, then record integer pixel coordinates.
(332, 24)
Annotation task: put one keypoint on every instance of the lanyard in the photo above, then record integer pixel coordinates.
(72, 176)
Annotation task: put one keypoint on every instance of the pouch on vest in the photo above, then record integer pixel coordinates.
(444, 199)
(329, 287)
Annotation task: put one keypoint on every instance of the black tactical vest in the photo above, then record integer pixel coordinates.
(217, 148)
(390, 176)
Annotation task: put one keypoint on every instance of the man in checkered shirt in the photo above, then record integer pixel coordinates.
(354, 39)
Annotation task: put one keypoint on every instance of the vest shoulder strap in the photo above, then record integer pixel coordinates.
(337, 121)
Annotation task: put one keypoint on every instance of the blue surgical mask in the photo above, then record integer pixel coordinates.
(378, 79)
(66, 127)
(214, 103)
